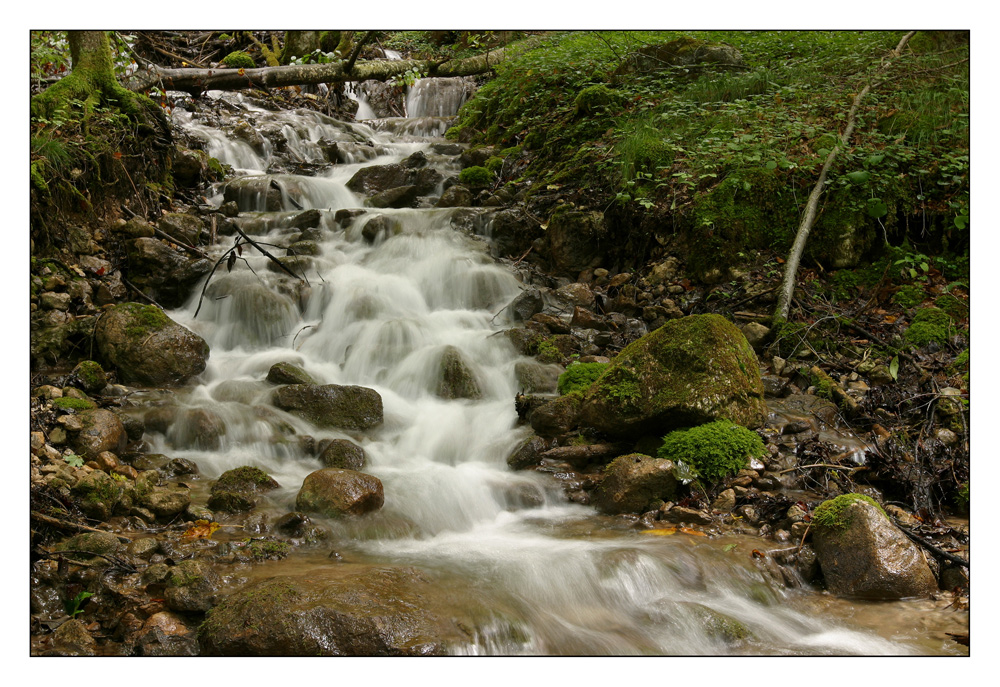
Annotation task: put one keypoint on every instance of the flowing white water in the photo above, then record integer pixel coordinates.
(381, 315)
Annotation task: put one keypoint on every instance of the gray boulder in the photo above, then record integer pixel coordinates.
(457, 379)
(165, 274)
(343, 454)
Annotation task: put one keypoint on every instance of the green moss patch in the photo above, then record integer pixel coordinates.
(476, 176)
(831, 513)
(715, 449)
(929, 325)
(67, 403)
(238, 59)
(579, 376)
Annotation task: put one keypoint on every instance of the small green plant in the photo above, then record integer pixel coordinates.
(714, 450)
(73, 605)
(476, 176)
(831, 513)
(962, 497)
(579, 376)
(73, 460)
(238, 60)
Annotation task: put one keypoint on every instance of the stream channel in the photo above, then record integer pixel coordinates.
(379, 312)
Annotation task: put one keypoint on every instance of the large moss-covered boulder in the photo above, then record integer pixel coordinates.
(148, 347)
(334, 492)
(332, 405)
(343, 610)
(633, 482)
(688, 372)
(862, 553)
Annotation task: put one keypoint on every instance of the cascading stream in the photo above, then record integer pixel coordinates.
(382, 314)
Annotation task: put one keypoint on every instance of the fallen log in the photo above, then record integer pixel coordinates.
(196, 81)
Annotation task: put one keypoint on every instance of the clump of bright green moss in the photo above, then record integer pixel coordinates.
(929, 324)
(579, 376)
(475, 176)
(243, 478)
(238, 59)
(831, 513)
(909, 296)
(715, 449)
(67, 403)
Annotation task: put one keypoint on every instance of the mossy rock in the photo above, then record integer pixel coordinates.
(457, 379)
(89, 376)
(148, 347)
(690, 371)
(287, 373)
(67, 403)
(331, 405)
(239, 489)
(832, 514)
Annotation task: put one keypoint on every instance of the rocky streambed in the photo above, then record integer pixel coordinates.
(375, 448)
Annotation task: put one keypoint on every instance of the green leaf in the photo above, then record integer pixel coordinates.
(859, 177)
(771, 165)
(74, 460)
(875, 159)
(877, 208)
(894, 368)
(729, 547)
(961, 221)
(925, 267)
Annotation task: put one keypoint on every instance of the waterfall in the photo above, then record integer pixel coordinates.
(383, 314)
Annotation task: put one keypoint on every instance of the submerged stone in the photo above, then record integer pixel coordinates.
(335, 492)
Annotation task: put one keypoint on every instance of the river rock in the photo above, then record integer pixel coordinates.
(287, 373)
(342, 610)
(100, 430)
(398, 197)
(536, 378)
(688, 372)
(867, 556)
(376, 178)
(343, 454)
(148, 347)
(239, 489)
(525, 305)
(167, 634)
(457, 379)
(331, 405)
(511, 233)
(633, 482)
(182, 227)
(528, 453)
(556, 417)
(89, 376)
(192, 587)
(456, 196)
(335, 492)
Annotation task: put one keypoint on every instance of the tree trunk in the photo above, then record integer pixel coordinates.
(812, 205)
(196, 81)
